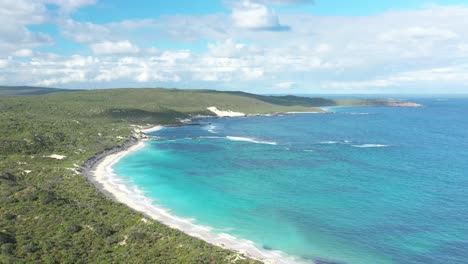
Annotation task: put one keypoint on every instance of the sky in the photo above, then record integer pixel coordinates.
(259, 46)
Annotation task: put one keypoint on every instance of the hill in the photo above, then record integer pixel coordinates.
(28, 90)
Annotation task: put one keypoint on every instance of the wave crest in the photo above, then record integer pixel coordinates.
(371, 146)
(252, 140)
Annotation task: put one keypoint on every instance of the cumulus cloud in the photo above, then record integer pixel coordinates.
(85, 32)
(109, 47)
(403, 49)
(23, 53)
(253, 15)
(163, 67)
(16, 16)
(229, 48)
(23, 11)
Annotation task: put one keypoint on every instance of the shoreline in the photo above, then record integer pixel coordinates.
(98, 171)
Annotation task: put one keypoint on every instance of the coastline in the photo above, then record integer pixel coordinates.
(98, 171)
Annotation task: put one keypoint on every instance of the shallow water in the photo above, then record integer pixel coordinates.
(363, 185)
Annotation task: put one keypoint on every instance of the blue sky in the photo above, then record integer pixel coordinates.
(262, 46)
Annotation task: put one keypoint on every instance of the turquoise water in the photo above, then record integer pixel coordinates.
(363, 185)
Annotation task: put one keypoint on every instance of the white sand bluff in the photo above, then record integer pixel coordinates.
(227, 113)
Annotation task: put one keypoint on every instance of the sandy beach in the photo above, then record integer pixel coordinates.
(102, 175)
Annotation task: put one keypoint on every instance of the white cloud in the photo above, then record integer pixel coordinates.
(252, 15)
(416, 33)
(23, 11)
(16, 15)
(53, 70)
(285, 85)
(406, 49)
(252, 73)
(109, 47)
(67, 76)
(358, 84)
(147, 76)
(435, 76)
(161, 68)
(229, 48)
(3, 63)
(23, 53)
(80, 61)
(85, 32)
(457, 73)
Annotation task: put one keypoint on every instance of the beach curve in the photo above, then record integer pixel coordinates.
(98, 170)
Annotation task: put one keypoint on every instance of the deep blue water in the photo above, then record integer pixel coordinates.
(362, 185)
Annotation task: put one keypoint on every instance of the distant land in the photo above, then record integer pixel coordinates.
(51, 213)
(284, 100)
(29, 90)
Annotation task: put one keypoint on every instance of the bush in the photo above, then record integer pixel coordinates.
(7, 176)
(50, 197)
(31, 247)
(9, 216)
(73, 228)
(8, 249)
(6, 238)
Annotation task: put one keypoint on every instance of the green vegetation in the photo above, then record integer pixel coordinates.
(49, 213)
(28, 90)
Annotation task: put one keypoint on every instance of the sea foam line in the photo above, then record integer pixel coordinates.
(123, 191)
(211, 128)
(252, 140)
(371, 146)
(335, 142)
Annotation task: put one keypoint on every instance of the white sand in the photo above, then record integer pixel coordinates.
(151, 129)
(127, 194)
(56, 156)
(227, 113)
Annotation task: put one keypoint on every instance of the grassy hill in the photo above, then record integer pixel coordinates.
(28, 90)
(49, 213)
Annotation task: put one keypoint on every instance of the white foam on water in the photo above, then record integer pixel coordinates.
(252, 140)
(329, 142)
(335, 142)
(213, 129)
(371, 146)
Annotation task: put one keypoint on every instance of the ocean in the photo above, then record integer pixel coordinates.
(360, 185)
